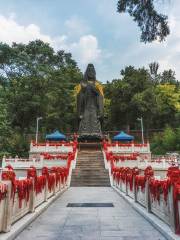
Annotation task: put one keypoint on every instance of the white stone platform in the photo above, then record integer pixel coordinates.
(119, 223)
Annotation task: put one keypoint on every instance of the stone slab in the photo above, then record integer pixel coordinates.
(23, 223)
(87, 223)
(152, 219)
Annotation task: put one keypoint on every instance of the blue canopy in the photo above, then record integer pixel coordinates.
(55, 136)
(122, 136)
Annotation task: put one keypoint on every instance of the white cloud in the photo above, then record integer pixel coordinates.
(76, 26)
(84, 50)
(87, 48)
(11, 31)
(171, 58)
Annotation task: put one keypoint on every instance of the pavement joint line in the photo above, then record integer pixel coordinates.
(162, 227)
(25, 221)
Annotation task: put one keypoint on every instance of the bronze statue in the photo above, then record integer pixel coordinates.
(90, 106)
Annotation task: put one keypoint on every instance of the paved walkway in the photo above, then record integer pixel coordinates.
(119, 223)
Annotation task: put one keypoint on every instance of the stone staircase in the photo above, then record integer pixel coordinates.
(90, 170)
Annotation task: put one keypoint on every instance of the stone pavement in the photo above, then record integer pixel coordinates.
(121, 222)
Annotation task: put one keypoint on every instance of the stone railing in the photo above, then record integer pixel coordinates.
(153, 194)
(43, 160)
(60, 147)
(137, 160)
(22, 162)
(20, 197)
(158, 197)
(127, 148)
(142, 164)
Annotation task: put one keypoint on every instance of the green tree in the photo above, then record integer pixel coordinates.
(153, 25)
(37, 81)
(40, 82)
(168, 103)
(131, 97)
(168, 140)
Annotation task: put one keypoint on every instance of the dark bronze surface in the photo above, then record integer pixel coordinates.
(89, 107)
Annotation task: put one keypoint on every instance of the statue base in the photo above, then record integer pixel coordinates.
(90, 138)
(89, 146)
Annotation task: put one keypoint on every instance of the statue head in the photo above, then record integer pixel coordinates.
(90, 73)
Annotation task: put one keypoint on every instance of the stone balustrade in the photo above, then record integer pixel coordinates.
(22, 162)
(158, 197)
(63, 147)
(127, 148)
(142, 164)
(25, 200)
(135, 177)
(165, 209)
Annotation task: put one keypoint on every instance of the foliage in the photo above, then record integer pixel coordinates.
(167, 141)
(36, 81)
(153, 25)
(138, 94)
(131, 97)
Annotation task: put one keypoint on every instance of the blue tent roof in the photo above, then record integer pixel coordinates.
(122, 136)
(55, 136)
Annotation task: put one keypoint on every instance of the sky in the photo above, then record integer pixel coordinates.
(93, 32)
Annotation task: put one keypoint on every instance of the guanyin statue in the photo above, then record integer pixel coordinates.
(90, 106)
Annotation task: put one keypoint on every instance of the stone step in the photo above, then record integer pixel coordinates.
(90, 177)
(90, 184)
(89, 166)
(89, 159)
(90, 170)
(90, 181)
(86, 176)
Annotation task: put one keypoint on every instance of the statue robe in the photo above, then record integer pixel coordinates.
(90, 111)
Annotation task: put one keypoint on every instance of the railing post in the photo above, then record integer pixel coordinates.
(147, 196)
(54, 187)
(134, 190)
(120, 185)
(46, 190)
(133, 147)
(7, 208)
(172, 209)
(32, 198)
(126, 188)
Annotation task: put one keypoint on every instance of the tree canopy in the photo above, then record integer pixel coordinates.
(37, 81)
(138, 94)
(153, 25)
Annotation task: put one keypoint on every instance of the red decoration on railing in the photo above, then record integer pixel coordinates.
(157, 187)
(23, 188)
(148, 172)
(132, 156)
(130, 176)
(174, 176)
(57, 172)
(140, 181)
(39, 184)
(9, 167)
(10, 175)
(39, 181)
(48, 156)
